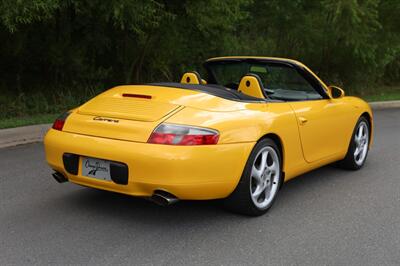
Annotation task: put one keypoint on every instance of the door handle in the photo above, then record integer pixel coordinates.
(302, 120)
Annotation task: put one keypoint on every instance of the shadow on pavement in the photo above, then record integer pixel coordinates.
(119, 206)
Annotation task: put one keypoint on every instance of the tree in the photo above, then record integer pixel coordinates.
(74, 43)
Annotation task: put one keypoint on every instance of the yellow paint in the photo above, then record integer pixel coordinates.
(190, 78)
(312, 134)
(323, 126)
(332, 88)
(181, 170)
(249, 85)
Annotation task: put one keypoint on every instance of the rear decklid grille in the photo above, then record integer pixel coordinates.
(127, 108)
(126, 113)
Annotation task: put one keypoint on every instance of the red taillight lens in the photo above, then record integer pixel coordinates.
(58, 124)
(183, 135)
(60, 121)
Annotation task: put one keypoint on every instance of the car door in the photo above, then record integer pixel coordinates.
(322, 127)
(321, 120)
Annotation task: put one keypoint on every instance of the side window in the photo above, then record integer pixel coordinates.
(288, 84)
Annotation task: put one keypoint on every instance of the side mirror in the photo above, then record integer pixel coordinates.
(336, 92)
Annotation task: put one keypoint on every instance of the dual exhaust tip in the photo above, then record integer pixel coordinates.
(159, 197)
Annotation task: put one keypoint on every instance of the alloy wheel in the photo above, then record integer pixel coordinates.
(265, 174)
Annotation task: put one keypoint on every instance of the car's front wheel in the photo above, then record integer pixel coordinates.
(260, 181)
(358, 148)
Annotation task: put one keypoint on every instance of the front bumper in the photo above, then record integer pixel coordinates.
(188, 172)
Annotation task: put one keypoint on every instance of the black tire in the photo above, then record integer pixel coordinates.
(240, 201)
(349, 162)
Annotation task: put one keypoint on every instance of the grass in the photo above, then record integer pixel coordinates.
(382, 93)
(40, 107)
(384, 96)
(27, 120)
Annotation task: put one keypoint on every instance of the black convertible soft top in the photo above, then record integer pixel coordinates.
(213, 89)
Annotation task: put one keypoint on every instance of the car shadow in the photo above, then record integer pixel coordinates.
(103, 203)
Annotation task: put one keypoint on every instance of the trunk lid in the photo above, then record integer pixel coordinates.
(132, 112)
(127, 107)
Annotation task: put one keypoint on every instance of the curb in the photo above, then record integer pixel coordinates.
(384, 105)
(22, 135)
(30, 134)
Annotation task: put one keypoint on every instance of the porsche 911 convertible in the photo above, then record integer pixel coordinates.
(236, 134)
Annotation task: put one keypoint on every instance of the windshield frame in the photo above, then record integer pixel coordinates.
(305, 73)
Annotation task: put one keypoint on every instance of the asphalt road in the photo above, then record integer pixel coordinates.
(329, 216)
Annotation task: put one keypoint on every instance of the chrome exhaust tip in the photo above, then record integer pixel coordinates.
(60, 178)
(163, 198)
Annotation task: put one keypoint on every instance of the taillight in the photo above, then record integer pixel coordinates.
(171, 134)
(60, 121)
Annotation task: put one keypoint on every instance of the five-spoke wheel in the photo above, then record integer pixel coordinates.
(265, 177)
(260, 181)
(358, 148)
(361, 139)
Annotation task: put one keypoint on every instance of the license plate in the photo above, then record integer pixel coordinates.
(96, 168)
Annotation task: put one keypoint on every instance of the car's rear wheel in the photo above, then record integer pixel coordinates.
(358, 148)
(260, 181)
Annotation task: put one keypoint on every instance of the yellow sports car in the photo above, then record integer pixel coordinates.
(238, 134)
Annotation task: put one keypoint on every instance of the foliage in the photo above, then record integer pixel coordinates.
(76, 44)
(27, 120)
(44, 102)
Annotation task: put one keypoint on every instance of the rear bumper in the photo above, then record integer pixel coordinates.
(188, 172)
